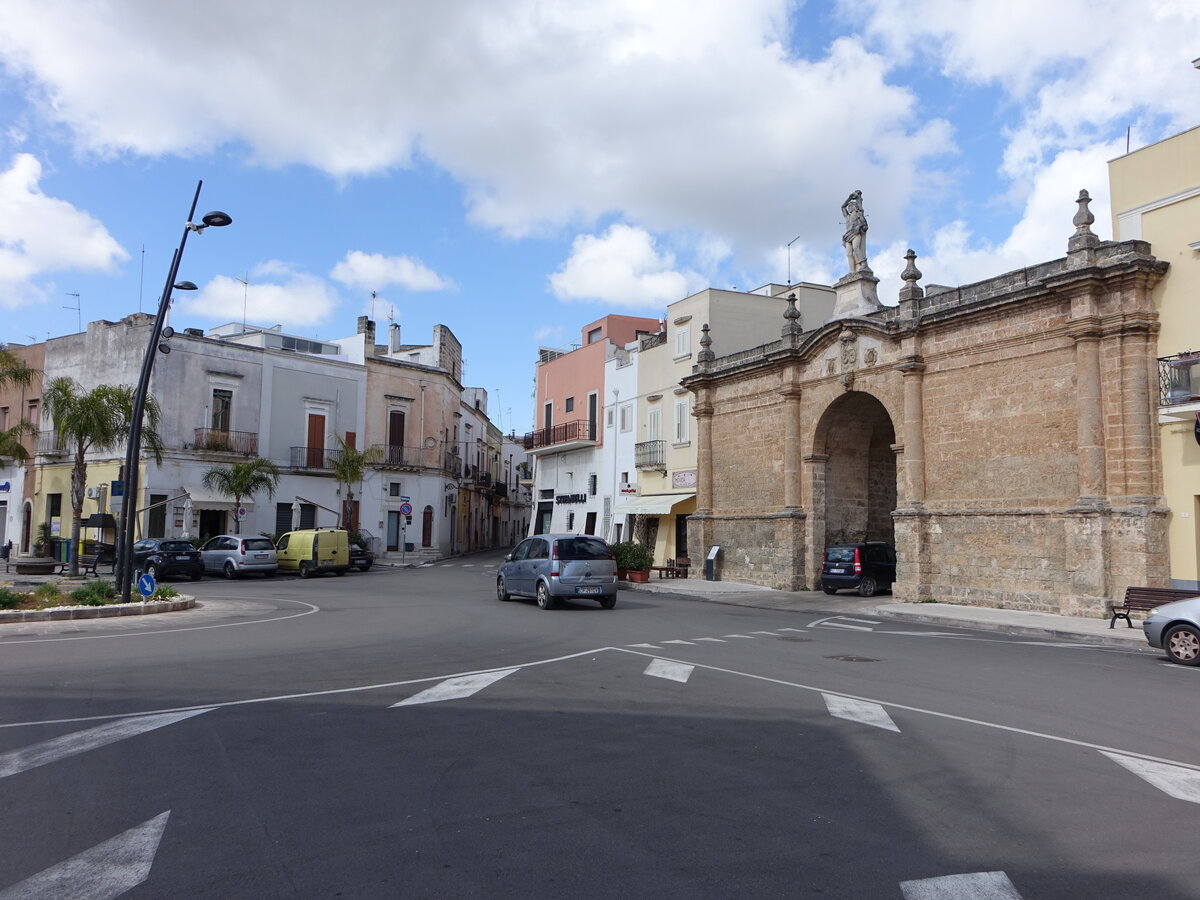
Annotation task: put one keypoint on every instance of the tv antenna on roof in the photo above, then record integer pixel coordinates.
(372, 306)
(76, 307)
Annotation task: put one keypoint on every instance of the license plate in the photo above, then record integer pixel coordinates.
(837, 571)
(260, 556)
(587, 590)
(184, 558)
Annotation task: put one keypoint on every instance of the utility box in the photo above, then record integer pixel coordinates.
(710, 563)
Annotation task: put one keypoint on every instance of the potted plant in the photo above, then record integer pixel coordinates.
(633, 560)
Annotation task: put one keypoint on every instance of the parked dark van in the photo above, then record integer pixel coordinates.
(869, 567)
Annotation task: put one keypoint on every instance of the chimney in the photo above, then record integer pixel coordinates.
(394, 338)
(367, 327)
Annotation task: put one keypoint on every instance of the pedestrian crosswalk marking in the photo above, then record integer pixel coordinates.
(455, 688)
(672, 671)
(688, 643)
(859, 711)
(746, 636)
(713, 640)
(1176, 781)
(647, 646)
(973, 886)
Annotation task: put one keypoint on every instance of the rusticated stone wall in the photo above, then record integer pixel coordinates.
(1001, 433)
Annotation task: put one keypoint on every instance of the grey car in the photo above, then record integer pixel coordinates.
(1175, 628)
(233, 555)
(550, 566)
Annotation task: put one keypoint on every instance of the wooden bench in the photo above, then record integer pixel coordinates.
(1144, 599)
(90, 562)
(675, 568)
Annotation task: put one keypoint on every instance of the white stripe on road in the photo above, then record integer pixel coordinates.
(859, 621)
(455, 688)
(714, 640)
(847, 627)
(672, 671)
(801, 630)
(746, 636)
(688, 643)
(1180, 783)
(31, 757)
(647, 646)
(975, 886)
(771, 633)
(859, 711)
(105, 871)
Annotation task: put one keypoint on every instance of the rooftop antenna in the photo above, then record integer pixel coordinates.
(392, 312)
(372, 306)
(245, 296)
(789, 251)
(141, 277)
(76, 307)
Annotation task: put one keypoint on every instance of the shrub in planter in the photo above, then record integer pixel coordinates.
(633, 557)
(98, 593)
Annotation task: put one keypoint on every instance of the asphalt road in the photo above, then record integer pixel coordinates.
(402, 733)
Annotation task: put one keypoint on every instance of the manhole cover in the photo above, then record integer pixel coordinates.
(853, 658)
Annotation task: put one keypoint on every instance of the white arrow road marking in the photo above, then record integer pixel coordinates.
(455, 688)
(859, 711)
(975, 886)
(859, 621)
(16, 761)
(107, 870)
(688, 643)
(672, 671)
(1180, 783)
(847, 627)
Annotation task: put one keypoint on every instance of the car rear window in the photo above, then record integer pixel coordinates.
(259, 544)
(583, 548)
(176, 546)
(839, 555)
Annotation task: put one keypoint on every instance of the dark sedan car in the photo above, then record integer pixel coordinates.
(167, 558)
(360, 557)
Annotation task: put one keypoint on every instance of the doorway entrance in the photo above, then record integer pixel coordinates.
(856, 434)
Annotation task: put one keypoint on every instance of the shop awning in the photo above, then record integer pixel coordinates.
(203, 498)
(653, 504)
(99, 520)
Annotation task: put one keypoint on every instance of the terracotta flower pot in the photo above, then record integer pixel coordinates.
(639, 577)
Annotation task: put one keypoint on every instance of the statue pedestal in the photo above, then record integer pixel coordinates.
(857, 295)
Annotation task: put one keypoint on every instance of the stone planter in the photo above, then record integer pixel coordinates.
(639, 577)
(36, 565)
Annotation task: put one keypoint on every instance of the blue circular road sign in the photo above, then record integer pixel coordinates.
(146, 585)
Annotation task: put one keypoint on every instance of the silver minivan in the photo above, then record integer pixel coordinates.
(549, 566)
(233, 555)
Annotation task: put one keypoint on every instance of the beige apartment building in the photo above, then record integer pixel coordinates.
(665, 452)
(1156, 198)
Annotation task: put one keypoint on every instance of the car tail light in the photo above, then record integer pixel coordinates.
(857, 562)
(554, 558)
(242, 547)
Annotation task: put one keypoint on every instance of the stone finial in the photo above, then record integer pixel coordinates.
(911, 275)
(792, 324)
(1083, 238)
(706, 354)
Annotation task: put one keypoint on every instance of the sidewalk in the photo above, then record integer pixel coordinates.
(1008, 621)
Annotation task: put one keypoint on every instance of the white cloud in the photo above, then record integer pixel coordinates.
(373, 271)
(622, 267)
(40, 234)
(277, 294)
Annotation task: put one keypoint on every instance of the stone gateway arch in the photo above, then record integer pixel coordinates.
(1000, 433)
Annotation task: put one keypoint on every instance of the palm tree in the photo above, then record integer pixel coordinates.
(243, 479)
(349, 466)
(98, 419)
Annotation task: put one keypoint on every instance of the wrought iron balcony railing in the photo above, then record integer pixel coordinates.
(48, 444)
(579, 430)
(1179, 379)
(650, 455)
(244, 443)
(313, 457)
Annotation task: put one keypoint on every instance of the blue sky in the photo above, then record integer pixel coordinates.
(515, 169)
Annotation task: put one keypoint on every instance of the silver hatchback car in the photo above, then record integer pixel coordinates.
(233, 555)
(550, 566)
(1175, 628)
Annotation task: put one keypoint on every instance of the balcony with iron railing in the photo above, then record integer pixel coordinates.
(1179, 379)
(48, 444)
(650, 455)
(313, 457)
(500, 489)
(567, 436)
(214, 440)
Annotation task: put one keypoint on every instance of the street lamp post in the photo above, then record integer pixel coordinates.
(134, 450)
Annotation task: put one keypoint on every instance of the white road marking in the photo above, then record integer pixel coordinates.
(105, 871)
(672, 671)
(447, 565)
(468, 565)
(975, 886)
(688, 643)
(859, 711)
(489, 565)
(1176, 781)
(929, 634)
(771, 633)
(713, 640)
(746, 636)
(22, 760)
(455, 688)
(847, 627)
(801, 630)
(860, 621)
(647, 646)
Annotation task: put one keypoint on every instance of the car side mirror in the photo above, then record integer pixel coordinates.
(508, 557)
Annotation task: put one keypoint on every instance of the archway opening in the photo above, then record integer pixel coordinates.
(860, 475)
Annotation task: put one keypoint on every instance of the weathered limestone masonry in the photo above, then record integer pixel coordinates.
(1001, 433)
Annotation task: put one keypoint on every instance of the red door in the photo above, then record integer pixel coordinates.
(395, 451)
(316, 441)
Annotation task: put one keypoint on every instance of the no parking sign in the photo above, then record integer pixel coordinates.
(406, 509)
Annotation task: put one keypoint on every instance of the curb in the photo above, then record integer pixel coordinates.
(111, 611)
(1012, 628)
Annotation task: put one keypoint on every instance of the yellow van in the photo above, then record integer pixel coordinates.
(314, 550)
